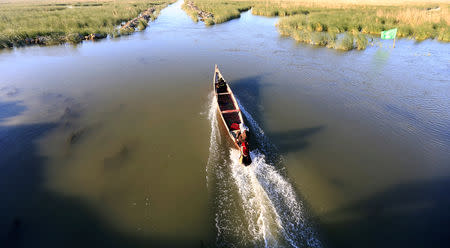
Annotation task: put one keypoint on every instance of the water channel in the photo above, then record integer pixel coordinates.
(116, 143)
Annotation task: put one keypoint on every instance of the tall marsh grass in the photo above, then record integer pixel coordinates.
(277, 10)
(192, 13)
(222, 10)
(66, 21)
(369, 21)
(318, 22)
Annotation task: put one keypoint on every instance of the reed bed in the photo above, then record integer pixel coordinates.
(222, 11)
(411, 22)
(318, 22)
(192, 13)
(55, 22)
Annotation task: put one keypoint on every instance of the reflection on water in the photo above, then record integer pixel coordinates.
(106, 143)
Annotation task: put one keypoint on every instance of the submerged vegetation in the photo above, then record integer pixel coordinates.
(339, 24)
(50, 22)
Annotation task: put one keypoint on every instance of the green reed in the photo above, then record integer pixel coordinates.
(320, 24)
(68, 21)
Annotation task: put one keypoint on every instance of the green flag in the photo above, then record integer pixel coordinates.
(389, 34)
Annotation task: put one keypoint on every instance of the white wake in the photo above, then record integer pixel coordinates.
(254, 205)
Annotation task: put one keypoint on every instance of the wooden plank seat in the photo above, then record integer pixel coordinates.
(230, 111)
(226, 102)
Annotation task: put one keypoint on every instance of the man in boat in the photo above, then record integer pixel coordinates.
(242, 137)
(243, 134)
(242, 140)
(245, 155)
(240, 133)
(235, 130)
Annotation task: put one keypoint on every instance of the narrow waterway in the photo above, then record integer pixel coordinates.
(115, 143)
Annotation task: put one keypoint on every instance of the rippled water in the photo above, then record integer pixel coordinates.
(272, 214)
(115, 143)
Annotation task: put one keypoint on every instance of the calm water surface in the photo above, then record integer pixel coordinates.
(116, 144)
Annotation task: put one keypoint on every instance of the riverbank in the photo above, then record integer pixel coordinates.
(197, 14)
(321, 22)
(48, 22)
(215, 12)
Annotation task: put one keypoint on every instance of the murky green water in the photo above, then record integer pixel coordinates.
(114, 144)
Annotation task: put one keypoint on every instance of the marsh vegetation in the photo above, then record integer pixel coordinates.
(320, 22)
(221, 11)
(50, 22)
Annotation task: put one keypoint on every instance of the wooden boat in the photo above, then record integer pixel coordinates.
(229, 111)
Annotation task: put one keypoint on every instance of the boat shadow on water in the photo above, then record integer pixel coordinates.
(273, 146)
(294, 140)
(249, 92)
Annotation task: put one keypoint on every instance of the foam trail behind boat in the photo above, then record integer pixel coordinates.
(296, 228)
(262, 219)
(255, 205)
(230, 225)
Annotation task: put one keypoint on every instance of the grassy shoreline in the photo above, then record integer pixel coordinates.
(341, 24)
(215, 12)
(50, 22)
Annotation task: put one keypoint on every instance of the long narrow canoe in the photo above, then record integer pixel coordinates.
(228, 108)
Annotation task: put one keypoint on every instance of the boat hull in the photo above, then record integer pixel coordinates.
(228, 110)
